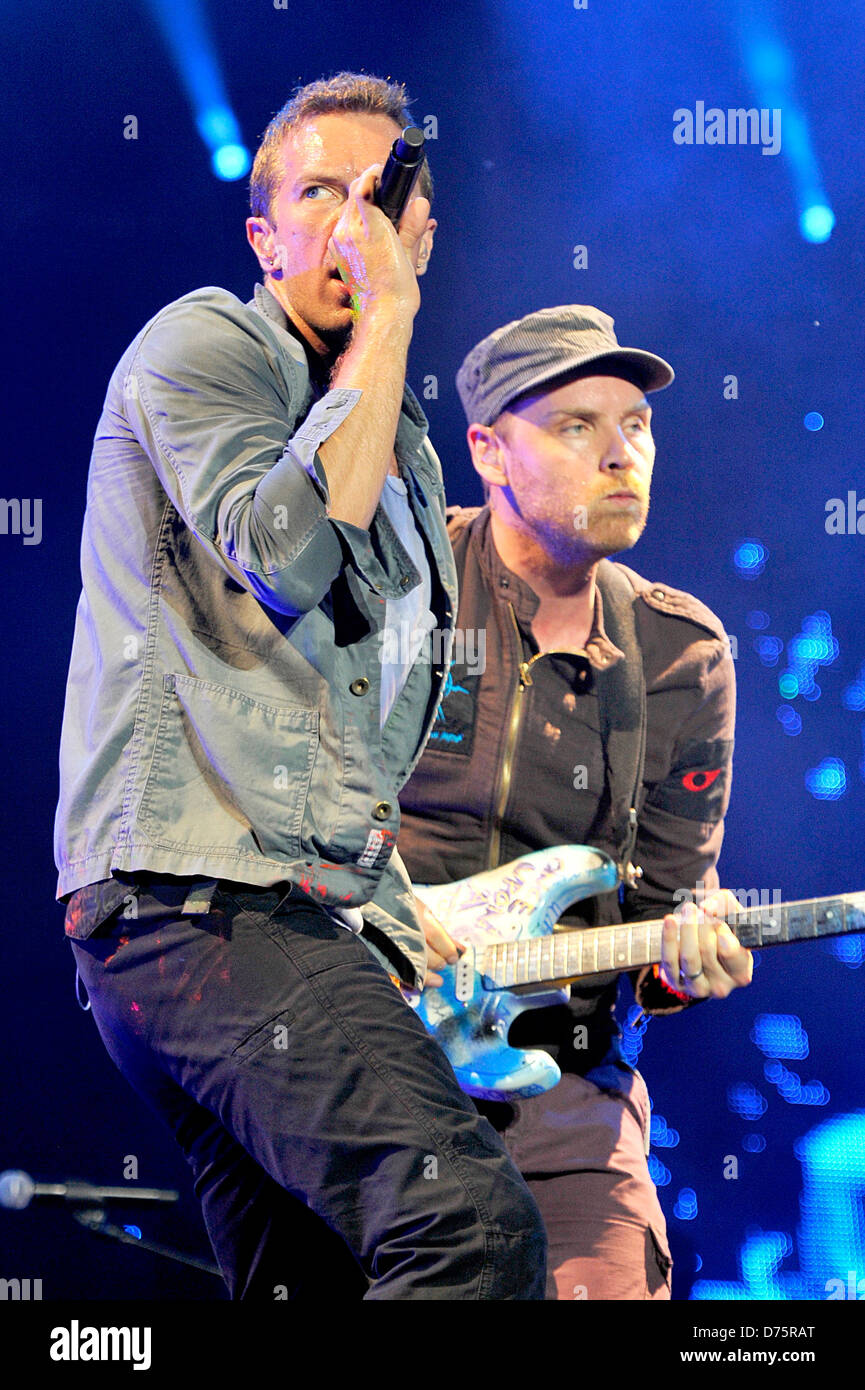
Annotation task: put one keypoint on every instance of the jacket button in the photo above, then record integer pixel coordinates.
(360, 686)
(381, 810)
(405, 581)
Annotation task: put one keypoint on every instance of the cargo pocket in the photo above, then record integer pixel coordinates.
(229, 774)
(95, 907)
(273, 1033)
(659, 1263)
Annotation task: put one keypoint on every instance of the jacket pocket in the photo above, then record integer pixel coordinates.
(229, 773)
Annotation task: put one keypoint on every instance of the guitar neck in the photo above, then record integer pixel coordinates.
(585, 951)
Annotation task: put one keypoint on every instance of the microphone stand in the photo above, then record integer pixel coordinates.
(96, 1220)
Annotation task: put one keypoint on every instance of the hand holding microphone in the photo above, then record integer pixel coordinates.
(400, 173)
(391, 192)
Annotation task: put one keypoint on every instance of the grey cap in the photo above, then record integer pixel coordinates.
(550, 343)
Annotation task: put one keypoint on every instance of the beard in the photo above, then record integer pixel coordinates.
(607, 535)
(336, 340)
(591, 532)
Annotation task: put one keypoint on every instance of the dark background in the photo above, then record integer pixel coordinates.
(555, 129)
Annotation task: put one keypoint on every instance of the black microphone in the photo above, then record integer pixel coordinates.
(18, 1190)
(399, 173)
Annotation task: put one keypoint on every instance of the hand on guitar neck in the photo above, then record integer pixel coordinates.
(701, 957)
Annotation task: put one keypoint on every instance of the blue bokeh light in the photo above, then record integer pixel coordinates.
(745, 1100)
(780, 1035)
(790, 720)
(231, 162)
(791, 1088)
(636, 1024)
(658, 1172)
(828, 780)
(850, 950)
(853, 696)
(768, 649)
(816, 223)
(754, 1143)
(814, 646)
(686, 1205)
(758, 619)
(813, 420)
(217, 125)
(662, 1136)
(750, 558)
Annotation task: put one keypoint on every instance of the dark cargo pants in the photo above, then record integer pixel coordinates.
(316, 1113)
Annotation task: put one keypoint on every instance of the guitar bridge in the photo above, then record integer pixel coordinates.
(464, 976)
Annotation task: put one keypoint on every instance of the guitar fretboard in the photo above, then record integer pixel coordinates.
(572, 954)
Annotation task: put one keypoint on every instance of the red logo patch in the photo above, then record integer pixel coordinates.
(699, 781)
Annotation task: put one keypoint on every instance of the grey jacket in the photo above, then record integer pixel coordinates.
(222, 708)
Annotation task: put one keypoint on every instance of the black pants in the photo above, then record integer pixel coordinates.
(315, 1111)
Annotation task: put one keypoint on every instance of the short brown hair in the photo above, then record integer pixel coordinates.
(346, 91)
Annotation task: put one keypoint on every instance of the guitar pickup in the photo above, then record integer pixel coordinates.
(464, 976)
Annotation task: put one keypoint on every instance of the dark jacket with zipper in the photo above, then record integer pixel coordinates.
(515, 761)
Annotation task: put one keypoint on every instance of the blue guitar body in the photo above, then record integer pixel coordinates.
(515, 902)
(506, 918)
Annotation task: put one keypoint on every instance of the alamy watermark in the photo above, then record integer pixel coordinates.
(400, 645)
(749, 900)
(735, 126)
(845, 518)
(21, 516)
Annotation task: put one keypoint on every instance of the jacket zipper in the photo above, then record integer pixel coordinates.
(514, 719)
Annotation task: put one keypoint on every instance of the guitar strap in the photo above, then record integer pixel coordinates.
(621, 691)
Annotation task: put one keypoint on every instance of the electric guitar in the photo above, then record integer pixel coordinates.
(505, 917)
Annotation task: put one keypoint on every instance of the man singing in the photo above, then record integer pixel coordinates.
(600, 692)
(262, 502)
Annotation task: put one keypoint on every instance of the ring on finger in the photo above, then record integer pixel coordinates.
(683, 974)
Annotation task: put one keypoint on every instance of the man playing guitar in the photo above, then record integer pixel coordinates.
(550, 740)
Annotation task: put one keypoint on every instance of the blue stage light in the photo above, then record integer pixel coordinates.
(791, 722)
(791, 1087)
(217, 126)
(757, 619)
(231, 162)
(753, 1143)
(662, 1136)
(686, 1205)
(660, 1175)
(832, 1232)
(186, 30)
(811, 648)
(770, 62)
(853, 696)
(780, 1035)
(749, 558)
(816, 223)
(636, 1024)
(134, 1231)
(813, 420)
(720, 1290)
(760, 1257)
(745, 1100)
(850, 950)
(768, 649)
(828, 780)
